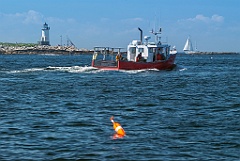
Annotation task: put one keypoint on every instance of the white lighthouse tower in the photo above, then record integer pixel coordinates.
(45, 35)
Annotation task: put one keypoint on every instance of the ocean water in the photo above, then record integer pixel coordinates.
(57, 107)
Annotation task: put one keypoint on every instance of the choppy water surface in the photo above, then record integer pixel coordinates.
(58, 107)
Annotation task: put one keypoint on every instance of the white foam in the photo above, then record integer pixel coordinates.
(182, 69)
(138, 71)
(73, 69)
(26, 70)
(79, 69)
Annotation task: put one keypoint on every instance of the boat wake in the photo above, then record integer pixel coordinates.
(182, 69)
(139, 71)
(73, 69)
(25, 70)
(84, 69)
(179, 68)
(176, 68)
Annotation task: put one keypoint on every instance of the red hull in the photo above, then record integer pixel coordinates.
(130, 65)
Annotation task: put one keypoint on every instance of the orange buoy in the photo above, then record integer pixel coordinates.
(116, 136)
(118, 128)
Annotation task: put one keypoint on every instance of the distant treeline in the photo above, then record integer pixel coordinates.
(7, 44)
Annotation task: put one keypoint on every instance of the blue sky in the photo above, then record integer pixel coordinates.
(213, 24)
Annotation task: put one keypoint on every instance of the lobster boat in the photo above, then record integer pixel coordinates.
(140, 55)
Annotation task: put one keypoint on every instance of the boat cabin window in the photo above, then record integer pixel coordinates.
(132, 50)
(150, 50)
(140, 50)
(159, 50)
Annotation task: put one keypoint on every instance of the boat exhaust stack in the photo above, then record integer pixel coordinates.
(141, 34)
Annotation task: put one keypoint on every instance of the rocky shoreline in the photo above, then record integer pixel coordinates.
(213, 53)
(43, 50)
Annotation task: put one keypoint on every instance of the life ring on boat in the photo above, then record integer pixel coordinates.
(118, 128)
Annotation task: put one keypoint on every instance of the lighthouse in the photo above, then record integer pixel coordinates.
(45, 35)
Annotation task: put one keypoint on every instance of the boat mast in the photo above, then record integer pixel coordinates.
(157, 38)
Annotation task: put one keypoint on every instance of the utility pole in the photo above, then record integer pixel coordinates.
(61, 39)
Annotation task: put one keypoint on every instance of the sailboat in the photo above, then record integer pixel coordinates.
(188, 48)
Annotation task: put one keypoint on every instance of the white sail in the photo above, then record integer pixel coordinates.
(188, 45)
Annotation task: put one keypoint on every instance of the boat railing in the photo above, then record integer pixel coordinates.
(107, 53)
(105, 63)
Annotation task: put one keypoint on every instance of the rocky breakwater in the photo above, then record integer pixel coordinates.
(42, 50)
(212, 53)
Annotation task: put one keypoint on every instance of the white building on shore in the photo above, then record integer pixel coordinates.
(45, 35)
